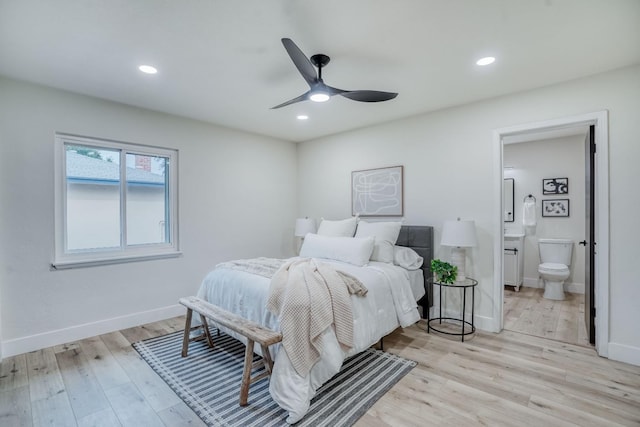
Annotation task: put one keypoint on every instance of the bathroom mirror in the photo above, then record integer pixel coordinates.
(508, 189)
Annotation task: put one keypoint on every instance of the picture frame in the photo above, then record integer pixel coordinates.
(377, 192)
(555, 208)
(552, 186)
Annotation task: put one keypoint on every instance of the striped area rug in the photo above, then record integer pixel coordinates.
(208, 380)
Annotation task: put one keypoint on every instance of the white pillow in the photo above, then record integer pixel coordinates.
(342, 228)
(406, 258)
(385, 234)
(346, 249)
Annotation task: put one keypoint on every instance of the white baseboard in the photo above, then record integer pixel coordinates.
(534, 282)
(481, 323)
(574, 288)
(484, 323)
(87, 330)
(624, 353)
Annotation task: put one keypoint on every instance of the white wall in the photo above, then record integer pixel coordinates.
(551, 158)
(449, 171)
(237, 199)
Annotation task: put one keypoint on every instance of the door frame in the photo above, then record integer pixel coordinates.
(601, 274)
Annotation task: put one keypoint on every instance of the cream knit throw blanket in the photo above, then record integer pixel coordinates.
(310, 296)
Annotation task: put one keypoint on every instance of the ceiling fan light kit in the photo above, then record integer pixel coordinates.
(319, 96)
(318, 90)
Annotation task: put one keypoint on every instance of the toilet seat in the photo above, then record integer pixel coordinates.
(553, 268)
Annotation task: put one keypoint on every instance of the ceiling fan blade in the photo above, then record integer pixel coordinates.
(300, 98)
(301, 61)
(334, 90)
(368, 95)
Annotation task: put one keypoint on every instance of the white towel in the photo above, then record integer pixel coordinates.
(529, 213)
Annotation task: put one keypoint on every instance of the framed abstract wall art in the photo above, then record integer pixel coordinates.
(555, 207)
(555, 186)
(377, 192)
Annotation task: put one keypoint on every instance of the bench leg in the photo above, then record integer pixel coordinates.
(187, 329)
(266, 356)
(207, 334)
(246, 373)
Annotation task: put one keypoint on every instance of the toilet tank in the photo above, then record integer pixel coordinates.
(555, 250)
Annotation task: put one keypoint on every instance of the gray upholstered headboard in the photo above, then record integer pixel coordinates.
(420, 239)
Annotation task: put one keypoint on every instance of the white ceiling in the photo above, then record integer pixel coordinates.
(223, 62)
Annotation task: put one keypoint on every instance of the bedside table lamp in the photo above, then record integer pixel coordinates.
(459, 235)
(303, 226)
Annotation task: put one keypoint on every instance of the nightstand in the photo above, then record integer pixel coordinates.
(468, 283)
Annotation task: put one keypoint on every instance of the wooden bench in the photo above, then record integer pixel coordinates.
(251, 330)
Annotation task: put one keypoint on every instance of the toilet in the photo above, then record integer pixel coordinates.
(555, 260)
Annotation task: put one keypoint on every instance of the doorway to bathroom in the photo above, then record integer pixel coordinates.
(547, 176)
(545, 165)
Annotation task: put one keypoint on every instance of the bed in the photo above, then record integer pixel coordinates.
(393, 293)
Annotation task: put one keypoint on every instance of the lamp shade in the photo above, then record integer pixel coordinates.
(459, 233)
(304, 226)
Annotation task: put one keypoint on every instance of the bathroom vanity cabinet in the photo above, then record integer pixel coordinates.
(514, 260)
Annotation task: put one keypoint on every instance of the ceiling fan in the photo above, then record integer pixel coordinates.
(318, 90)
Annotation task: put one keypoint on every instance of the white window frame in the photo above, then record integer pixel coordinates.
(63, 259)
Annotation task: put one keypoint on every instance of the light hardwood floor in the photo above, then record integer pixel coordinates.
(490, 379)
(529, 313)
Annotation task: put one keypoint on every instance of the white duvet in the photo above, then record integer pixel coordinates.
(390, 303)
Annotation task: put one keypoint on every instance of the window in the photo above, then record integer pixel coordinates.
(115, 202)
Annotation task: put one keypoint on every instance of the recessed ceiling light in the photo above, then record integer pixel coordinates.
(486, 60)
(148, 69)
(302, 117)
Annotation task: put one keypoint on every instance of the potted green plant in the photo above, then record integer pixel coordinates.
(445, 272)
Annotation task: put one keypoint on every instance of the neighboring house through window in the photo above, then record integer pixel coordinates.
(115, 202)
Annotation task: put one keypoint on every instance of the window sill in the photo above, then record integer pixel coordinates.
(66, 265)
